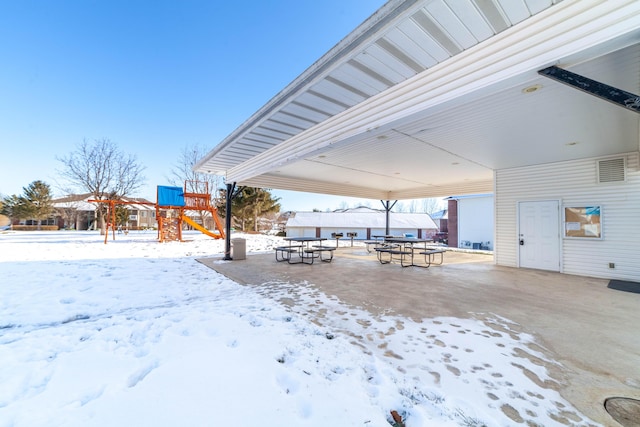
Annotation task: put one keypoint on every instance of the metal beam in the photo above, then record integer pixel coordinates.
(614, 95)
(387, 207)
(227, 221)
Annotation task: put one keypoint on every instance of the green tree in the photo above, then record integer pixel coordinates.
(14, 207)
(100, 168)
(122, 215)
(38, 201)
(250, 204)
(34, 203)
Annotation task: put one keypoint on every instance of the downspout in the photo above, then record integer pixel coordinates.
(231, 188)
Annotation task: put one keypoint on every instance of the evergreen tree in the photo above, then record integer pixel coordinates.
(38, 196)
(122, 215)
(249, 204)
(34, 203)
(14, 207)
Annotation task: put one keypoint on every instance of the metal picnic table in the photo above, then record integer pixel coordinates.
(306, 252)
(404, 248)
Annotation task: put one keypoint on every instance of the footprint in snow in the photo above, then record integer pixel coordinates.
(288, 384)
(136, 377)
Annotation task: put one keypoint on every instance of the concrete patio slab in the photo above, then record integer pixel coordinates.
(590, 330)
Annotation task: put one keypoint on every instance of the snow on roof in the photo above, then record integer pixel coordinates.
(359, 209)
(443, 214)
(366, 219)
(81, 202)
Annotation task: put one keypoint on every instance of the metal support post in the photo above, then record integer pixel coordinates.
(387, 207)
(227, 221)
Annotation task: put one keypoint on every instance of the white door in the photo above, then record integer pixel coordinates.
(539, 235)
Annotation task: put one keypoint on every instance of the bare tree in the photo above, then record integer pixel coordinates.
(183, 172)
(431, 205)
(343, 205)
(100, 168)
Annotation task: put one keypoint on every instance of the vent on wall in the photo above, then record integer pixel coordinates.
(611, 170)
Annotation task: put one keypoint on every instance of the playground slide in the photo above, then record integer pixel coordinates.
(201, 228)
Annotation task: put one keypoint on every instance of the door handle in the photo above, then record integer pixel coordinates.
(521, 242)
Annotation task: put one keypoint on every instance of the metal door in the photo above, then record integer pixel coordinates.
(539, 235)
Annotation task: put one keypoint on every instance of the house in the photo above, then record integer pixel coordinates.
(470, 220)
(441, 219)
(535, 102)
(364, 222)
(75, 211)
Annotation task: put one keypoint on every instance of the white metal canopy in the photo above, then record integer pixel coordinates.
(428, 97)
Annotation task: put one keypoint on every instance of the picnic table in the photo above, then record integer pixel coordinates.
(378, 241)
(404, 249)
(301, 250)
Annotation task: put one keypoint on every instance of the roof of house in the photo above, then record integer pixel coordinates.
(81, 202)
(443, 214)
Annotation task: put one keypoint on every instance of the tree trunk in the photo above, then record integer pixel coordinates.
(102, 224)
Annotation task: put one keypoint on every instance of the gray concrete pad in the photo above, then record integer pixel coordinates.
(592, 331)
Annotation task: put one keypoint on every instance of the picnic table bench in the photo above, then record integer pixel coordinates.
(405, 249)
(373, 243)
(378, 241)
(430, 256)
(285, 252)
(392, 251)
(319, 250)
(306, 254)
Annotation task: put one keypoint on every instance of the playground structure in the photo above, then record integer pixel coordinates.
(172, 205)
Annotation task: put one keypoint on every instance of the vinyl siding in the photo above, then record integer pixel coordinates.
(575, 183)
(475, 221)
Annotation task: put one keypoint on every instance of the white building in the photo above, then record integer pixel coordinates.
(470, 221)
(77, 212)
(365, 222)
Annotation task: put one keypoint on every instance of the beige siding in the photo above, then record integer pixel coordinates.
(575, 183)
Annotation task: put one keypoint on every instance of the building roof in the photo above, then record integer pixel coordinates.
(81, 202)
(428, 98)
(443, 214)
(361, 219)
(469, 196)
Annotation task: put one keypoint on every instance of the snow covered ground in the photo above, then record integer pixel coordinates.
(138, 333)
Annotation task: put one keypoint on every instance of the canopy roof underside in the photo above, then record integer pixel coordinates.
(427, 98)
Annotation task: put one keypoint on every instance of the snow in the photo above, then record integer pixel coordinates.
(139, 333)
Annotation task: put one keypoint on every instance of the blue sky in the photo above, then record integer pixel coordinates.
(151, 76)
